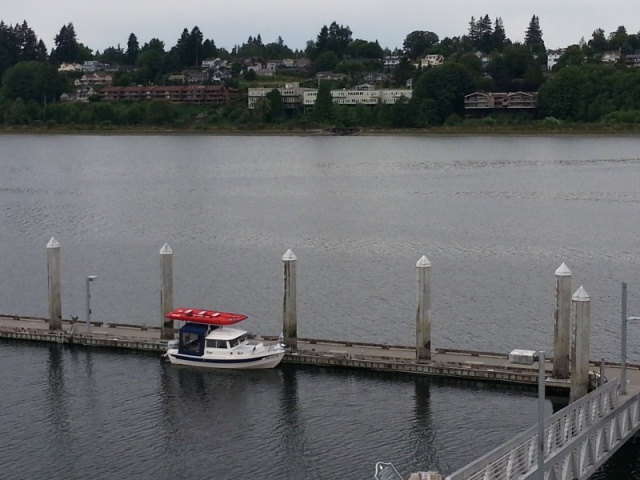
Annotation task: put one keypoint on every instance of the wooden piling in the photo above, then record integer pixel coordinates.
(289, 308)
(53, 271)
(580, 345)
(423, 310)
(562, 327)
(166, 292)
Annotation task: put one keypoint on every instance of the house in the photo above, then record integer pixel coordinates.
(177, 78)
(288, 63)
(83, 94)
(302, 63)
(391, 61)
(94, 78)
(92, 66)
(330, 76)
(487, 102)
(255, 64)
(484, 59)
(292, 95)
(214, 63)
(70, 67)
(612, 56)
(189, 94)
(430, 61)
(552, 57)
(194, 76)
(362, 95)
(632, 60)
(376, 77)
(80, 95)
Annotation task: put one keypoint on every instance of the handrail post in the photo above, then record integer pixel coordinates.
(623, 342)
(541, 400)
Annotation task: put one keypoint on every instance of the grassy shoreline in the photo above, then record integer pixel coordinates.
(457, 130)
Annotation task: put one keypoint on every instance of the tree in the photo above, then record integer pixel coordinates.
(273, 107)
(33, 81)
(363, 49)
(403, 72)
(327, 61)
(446, 85)
(133, 50)
(334, 38)
(573, 55)
(113, 55)
(67, 49)
(484, 31)
(533, 36)
(499, 35)
(418, 42)
(28, 43)
(323, 106)
(598, 42)
(9, 48)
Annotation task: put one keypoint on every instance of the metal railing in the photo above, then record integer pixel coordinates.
(578, 439)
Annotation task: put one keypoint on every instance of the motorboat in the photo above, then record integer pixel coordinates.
(208, 340)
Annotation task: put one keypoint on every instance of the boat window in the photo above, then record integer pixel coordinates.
(189, 343)
(216, 344)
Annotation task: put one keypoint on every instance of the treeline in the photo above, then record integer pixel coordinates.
(580, 89)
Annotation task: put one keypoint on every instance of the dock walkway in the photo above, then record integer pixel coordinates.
(470, 365)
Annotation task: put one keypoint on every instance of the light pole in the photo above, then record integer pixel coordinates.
(90, 279)
(541, 400)
(623, 342)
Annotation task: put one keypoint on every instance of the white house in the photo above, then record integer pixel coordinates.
(552, 57)
(430, 61)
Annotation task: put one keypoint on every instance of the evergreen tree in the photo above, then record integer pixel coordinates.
(27, 42)
(323, 106)
(484, 42)
(499, 35)
(618, 38)
(533, 36)
(133, 49)
(67, 49)
(9, 48)
(273, 107)
(473, 31)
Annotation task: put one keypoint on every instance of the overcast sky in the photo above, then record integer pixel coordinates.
(102, 24)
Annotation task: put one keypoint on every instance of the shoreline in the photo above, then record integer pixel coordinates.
(484, 130)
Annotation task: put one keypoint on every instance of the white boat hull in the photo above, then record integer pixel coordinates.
(267, 360)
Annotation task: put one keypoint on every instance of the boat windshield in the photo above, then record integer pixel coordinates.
(238, 341)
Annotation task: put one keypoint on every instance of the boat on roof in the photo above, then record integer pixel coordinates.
(210, 317)
(207, 340)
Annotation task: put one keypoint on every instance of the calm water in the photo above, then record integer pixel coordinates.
(495, 216)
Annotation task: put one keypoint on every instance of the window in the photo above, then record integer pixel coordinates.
(216, 344)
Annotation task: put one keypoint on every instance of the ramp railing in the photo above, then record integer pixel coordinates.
(578, 439)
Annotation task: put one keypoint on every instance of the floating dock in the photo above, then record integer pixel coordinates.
(449, 363)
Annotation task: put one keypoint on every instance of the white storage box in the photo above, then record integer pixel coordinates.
(523, 357)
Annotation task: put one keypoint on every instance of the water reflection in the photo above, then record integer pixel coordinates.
(290, 429)
(423, 433)
(62, 439)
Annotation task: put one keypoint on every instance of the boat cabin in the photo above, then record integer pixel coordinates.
(195, 337)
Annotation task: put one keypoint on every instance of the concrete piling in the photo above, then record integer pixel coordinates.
(562, 328)
(289, 308)
(53, 272)
(580, 345)
(166, 292)
(423, 310)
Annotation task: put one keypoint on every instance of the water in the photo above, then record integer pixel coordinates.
(495, 216)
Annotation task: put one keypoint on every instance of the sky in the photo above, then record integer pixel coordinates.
(99, 25)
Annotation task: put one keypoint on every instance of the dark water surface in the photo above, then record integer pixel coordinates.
(495, 216)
